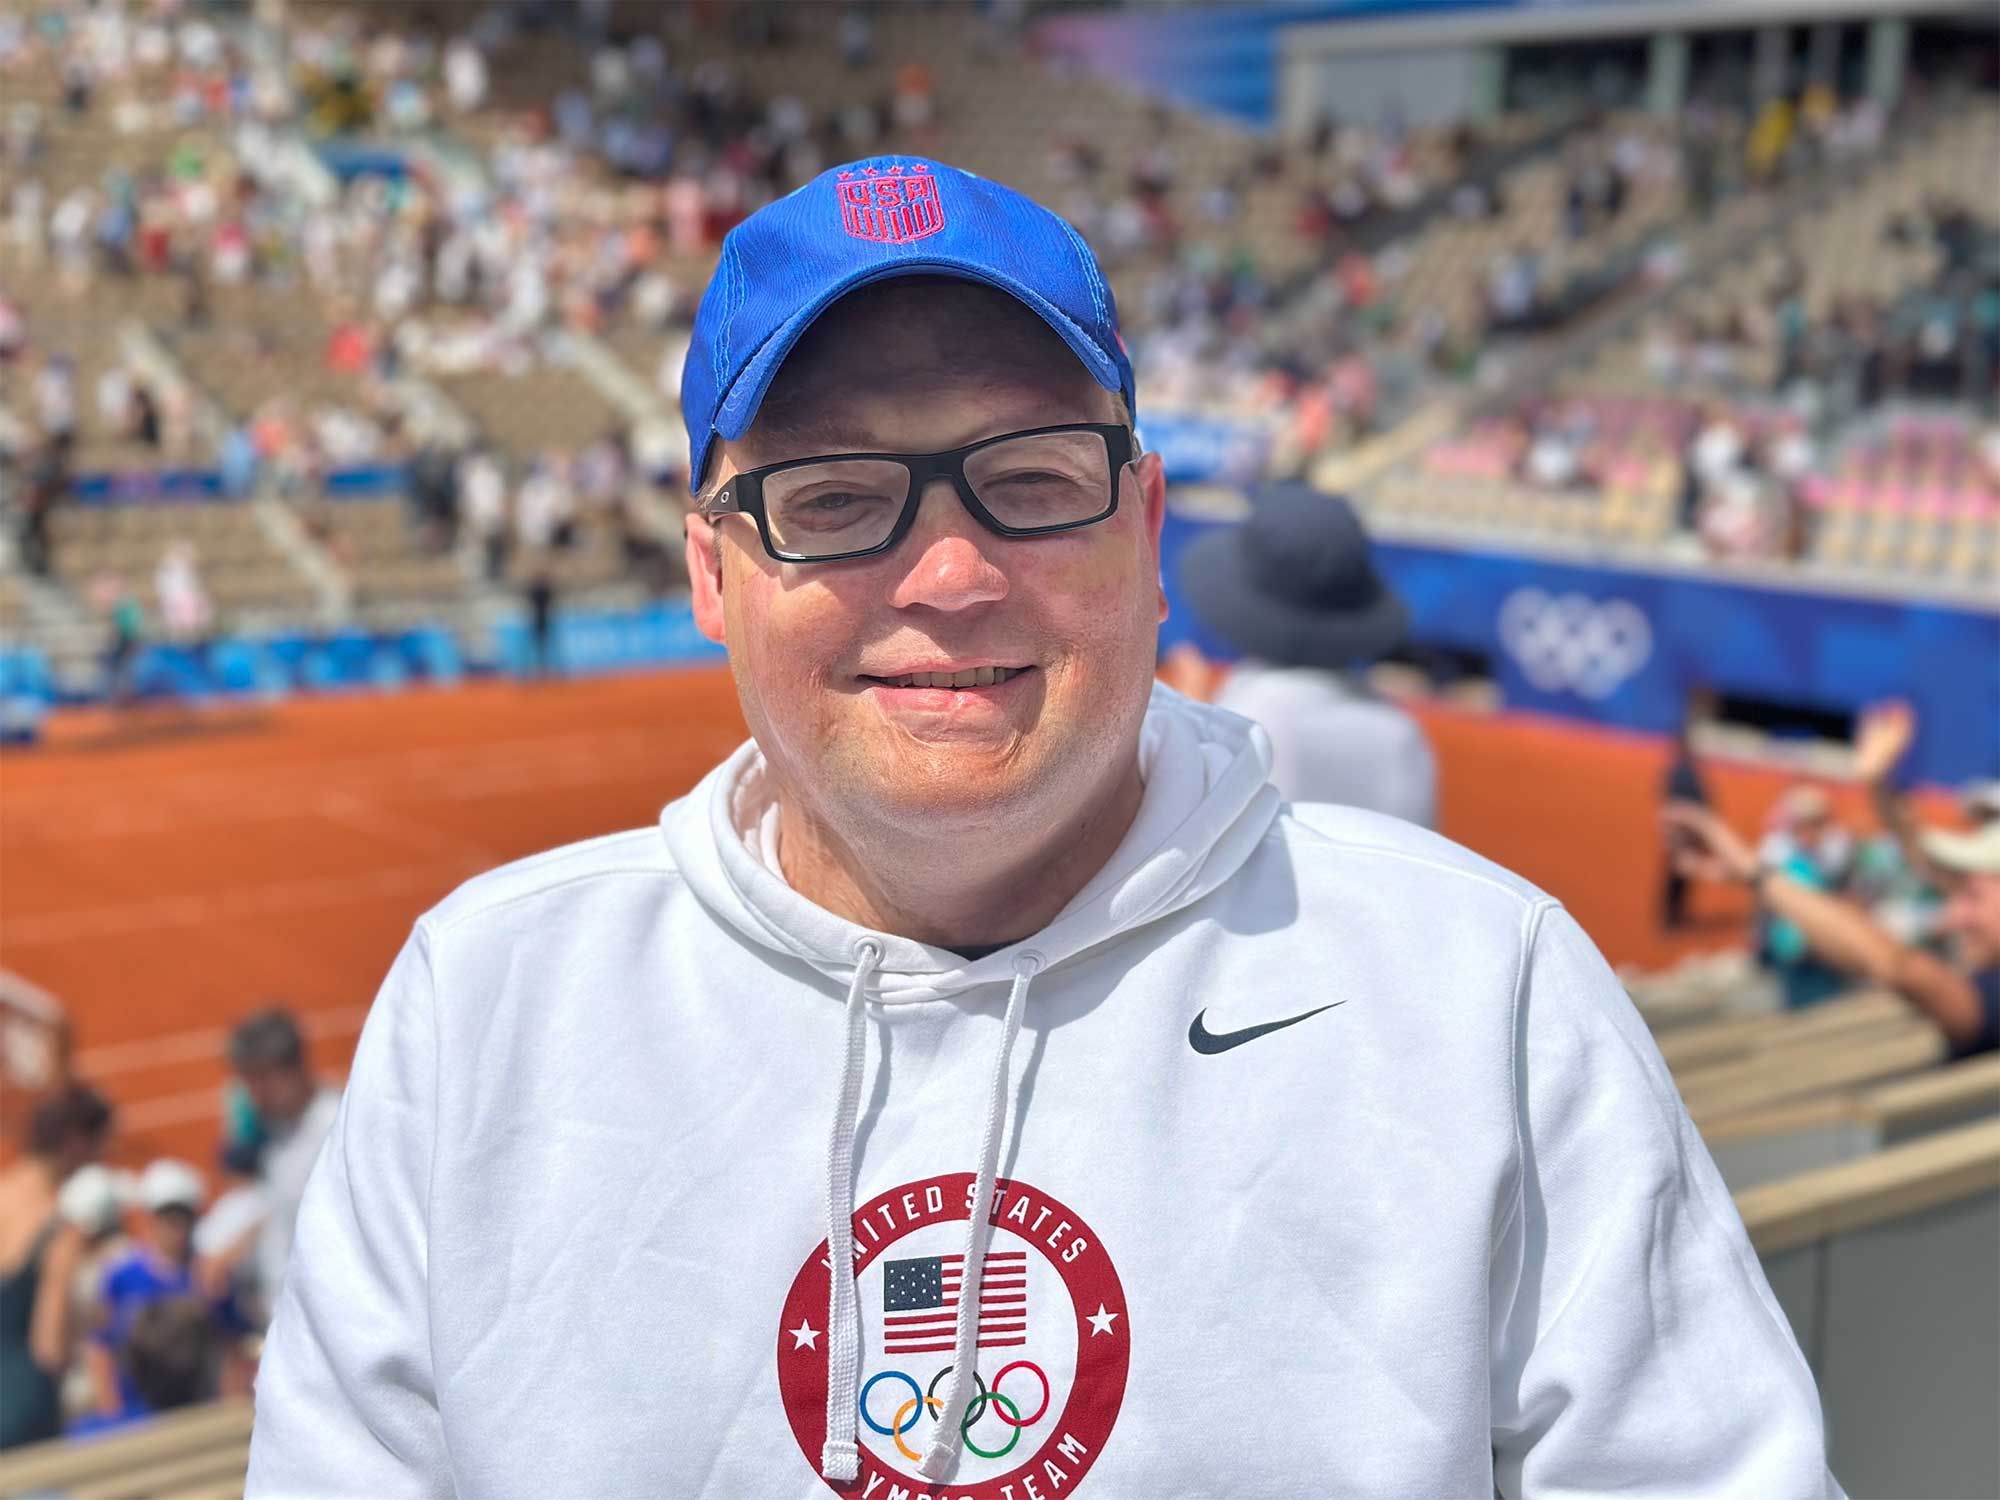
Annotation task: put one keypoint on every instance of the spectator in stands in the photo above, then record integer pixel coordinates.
(168, 1361)
(1806, 842)
(13, 330)
(1683, 783)
(465, 75)
(1961, 994)
(186, 613)
(482, 507)
(538, 590)
(55, 398)
(545, 507)
(159, 1265)
(169, 1356)
(1293, 589)
(94, 1202)
(47, 488)
(294, 1112)
(857, 36)
(145, 426)
(40, 1252)
(114, 400)
(114, 596)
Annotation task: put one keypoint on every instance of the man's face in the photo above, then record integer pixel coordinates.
(913, 367)
(1974, 914)
(173, 1228)
(276, 1093)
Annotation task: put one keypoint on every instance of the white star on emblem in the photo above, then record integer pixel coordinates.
(804, 1336)
(1100, 1321)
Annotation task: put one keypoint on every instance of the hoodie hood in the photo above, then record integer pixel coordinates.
(1207, 803)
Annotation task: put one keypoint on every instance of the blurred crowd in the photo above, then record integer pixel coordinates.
(126, 1294)
(497, 178)
(1909, 908)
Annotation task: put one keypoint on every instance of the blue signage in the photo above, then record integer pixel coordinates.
(1624, 646)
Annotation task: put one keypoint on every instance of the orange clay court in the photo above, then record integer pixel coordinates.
(165, 873)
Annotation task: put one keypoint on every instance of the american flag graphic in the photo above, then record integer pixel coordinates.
(920, 1302)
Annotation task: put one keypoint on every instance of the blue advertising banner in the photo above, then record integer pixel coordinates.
(1624, 647)
(1197, 449)
(585, 642)
(146, 486)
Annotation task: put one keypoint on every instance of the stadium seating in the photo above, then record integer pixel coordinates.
(1778, 1140)
(199, 1453)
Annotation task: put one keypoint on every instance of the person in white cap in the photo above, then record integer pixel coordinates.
(1961, 994)
(93, 1201)
(159, 1265)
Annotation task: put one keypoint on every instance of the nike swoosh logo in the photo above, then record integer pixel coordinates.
(1208, 1043)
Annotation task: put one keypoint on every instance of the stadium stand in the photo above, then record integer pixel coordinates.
(196, 1454)
(1779, 1140)
(1335, 296)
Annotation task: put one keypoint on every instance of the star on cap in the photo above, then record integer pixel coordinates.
(1100, 1321)
(805, 1336)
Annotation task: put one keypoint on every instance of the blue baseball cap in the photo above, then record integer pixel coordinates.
(868, 221)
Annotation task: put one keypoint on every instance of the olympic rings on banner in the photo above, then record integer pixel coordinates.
(1036, 1415)
(978, 1409)
(899, 1428)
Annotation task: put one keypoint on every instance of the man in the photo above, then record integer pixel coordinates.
(1293, 589)
(160, 1264)
(1962, 995)
(294, 1112)
(702, 1160)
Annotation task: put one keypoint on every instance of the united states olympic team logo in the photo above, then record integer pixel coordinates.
(890, 204)
(1575, 644)
(1054, 1343)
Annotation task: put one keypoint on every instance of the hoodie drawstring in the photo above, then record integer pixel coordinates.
(840, 1459)
(945, 1436)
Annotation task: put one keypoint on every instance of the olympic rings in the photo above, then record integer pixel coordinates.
(1572, 643)
(1035, 1416)
(1003, 1408)
(977, 1410)
(875, 1380)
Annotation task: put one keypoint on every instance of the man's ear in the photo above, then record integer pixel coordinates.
(1151, 473)
(704, 565)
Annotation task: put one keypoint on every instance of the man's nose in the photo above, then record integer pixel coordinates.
(945, 561)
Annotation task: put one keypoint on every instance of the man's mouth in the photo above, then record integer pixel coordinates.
(972, 677)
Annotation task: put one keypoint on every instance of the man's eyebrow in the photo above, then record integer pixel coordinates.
(825, 434)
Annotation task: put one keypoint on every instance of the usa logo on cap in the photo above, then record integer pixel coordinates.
(890, 205)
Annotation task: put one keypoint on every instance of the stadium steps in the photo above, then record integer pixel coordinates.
(200, 1451)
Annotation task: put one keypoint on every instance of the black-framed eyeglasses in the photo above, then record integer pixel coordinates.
(845, 505)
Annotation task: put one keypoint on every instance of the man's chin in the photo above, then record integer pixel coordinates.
(950, 782)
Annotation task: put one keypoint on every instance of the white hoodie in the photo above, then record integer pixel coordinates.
(1444, 1230)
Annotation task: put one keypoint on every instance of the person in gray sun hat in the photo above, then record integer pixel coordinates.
(1295, 591)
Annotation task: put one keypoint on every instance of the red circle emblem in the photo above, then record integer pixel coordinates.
(1054, 1346)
